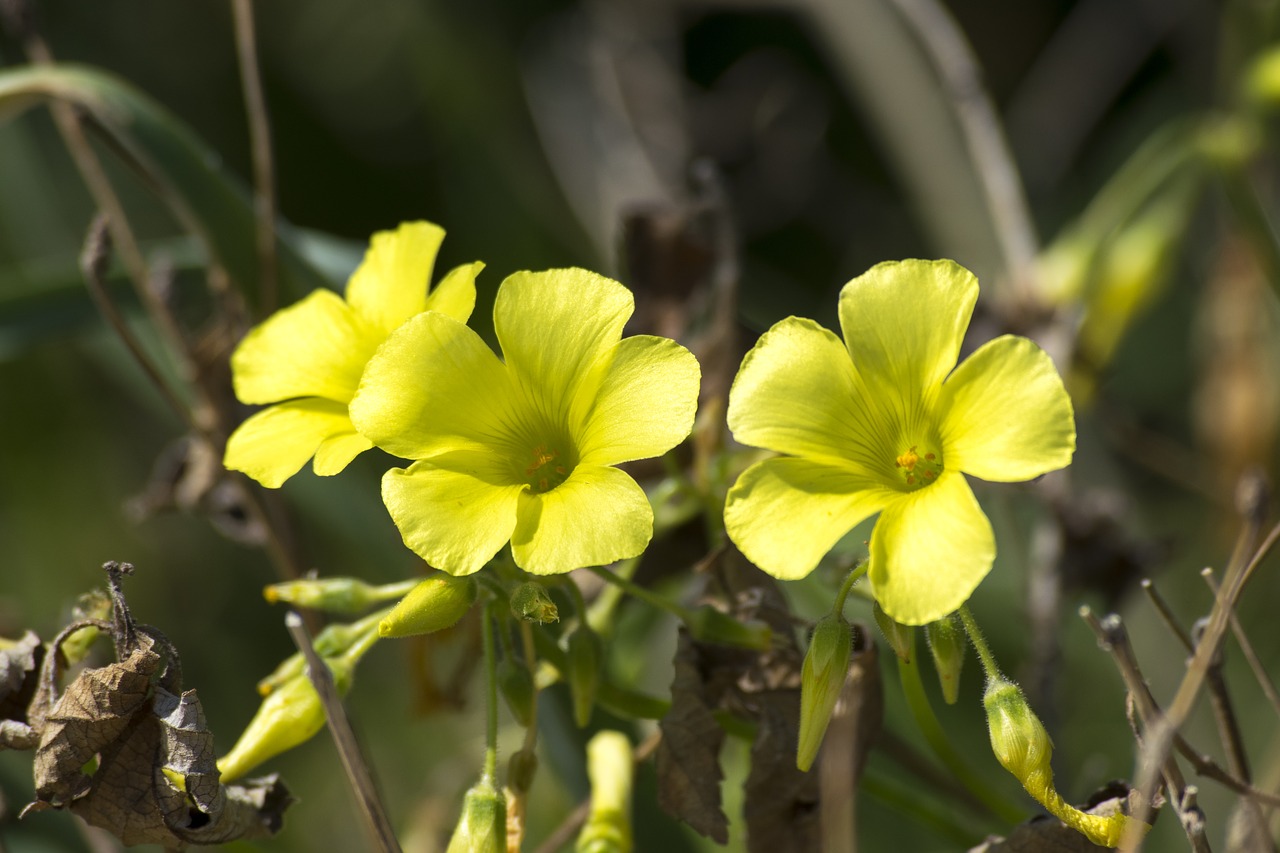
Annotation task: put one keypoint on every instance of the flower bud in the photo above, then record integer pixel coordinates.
(1262, 79)
(584, 656)
(482, 827)
(901, 637)
(433, 605)
(334, 595)
(332, 641)
(521, 768)
(708, 625)
(516, 684)
(531, 603)
(1018, 738)
(610, 768)
(947, 642)
(821, 679)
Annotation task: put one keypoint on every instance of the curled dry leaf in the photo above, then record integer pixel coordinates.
(127, 750)
(19, 668)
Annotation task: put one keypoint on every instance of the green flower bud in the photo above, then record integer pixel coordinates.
(334, 595)
(332, 641)
(1018, 738)
(482, 827)
(1262, 79)
(822, 676)
(610, 768)
(521, 768)
(901, 637)
(947, 642)
(708, 625)
(433, 605)
(516, 684)
(531, 603)
(584, 660)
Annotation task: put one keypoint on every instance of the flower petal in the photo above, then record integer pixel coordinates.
(929, 551)
(796, 393)
(1005, 415)
(785, 514)
(390, 285)
(903, 323)
(454, 511)
(595, 517)
(274, 444)
(558, 329)
(455, 294)
(314, 348)
(336, 452)
(433, 386)
(645, 405)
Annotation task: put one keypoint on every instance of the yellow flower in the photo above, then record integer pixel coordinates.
(524, 450)
(870, 426)
(307, 359)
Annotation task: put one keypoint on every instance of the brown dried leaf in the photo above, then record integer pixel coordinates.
(688, 757)
(187, 750)
(781, 806)
(854, 727)
(19, 672)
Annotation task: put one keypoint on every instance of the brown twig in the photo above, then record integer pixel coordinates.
(344, 738)
(1166, 615)
(1255, 664)
(264, 181)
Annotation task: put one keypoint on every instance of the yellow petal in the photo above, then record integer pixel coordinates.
(558, 330)
(645, 405)
(274, 444)
(455, 295)
(796, 393)
(433, 387)
(314, 348)
(390, 285)
(595, 517)
(903, 323)
(929, 550)
(336, 452)
(454, 511)
(785, 514)
(1005, 415)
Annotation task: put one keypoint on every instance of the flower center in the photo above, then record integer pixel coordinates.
(546, 470)
(918, 469)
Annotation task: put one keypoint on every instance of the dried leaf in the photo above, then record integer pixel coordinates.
(688, 757)
(855, 725)
(187, 749)
(19, 668)
(781, 806)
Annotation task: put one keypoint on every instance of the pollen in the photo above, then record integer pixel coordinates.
(918, 469)
(546, 470)
(909, 459)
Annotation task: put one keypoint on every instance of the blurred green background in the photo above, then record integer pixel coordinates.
(528, 130)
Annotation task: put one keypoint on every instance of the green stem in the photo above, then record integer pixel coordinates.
(858, 571)
(599, 614)
(652, 598)
(927, 721)
(989, 665)
(489, 624)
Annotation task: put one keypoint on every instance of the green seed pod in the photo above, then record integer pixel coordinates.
(610, 768)
(1018, 738)
(822, 676)
(516, 683)
(708, 625)
(531, 603)
(584, 654)
(334, 595)
(901, 637)
(433, 605)
(482, 827)
(947, 642)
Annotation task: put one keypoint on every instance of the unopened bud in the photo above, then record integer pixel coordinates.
(584, 662)
(521, 768)
(826, 664)
(482, 827)
(1018, 738)
(708, 625)
(332, 641)
(334, 595)
(516, 684)
(531, 602)
(610, 768)
(901, 637)
(947, 642)
(433, 605)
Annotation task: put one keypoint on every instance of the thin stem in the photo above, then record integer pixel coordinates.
(989, 665)
(1255, 664)
(344, 738)
(858, 571)
(1166, 614)
(264, 199)
(487, 627)
(927, 721)
(647, 596)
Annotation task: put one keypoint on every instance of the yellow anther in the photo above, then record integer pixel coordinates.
(908, 460)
